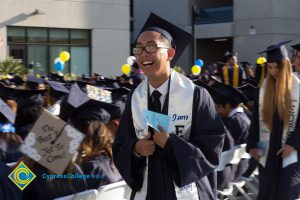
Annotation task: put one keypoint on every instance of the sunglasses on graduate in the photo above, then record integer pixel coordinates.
(151, 48)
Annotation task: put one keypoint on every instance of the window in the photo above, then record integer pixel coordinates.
(40, 46)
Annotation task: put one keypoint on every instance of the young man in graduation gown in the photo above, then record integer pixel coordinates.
(169, 164)
(231, 73)
(235, 119)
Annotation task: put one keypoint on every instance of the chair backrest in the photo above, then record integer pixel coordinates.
(226, 158)
(85, 195)
(232, 156)
(115, 191)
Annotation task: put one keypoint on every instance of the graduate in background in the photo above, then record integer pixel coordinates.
(228, 103)
(169, 164)
(296, 59)
(231, 73)
(95, 152)
(274, 137)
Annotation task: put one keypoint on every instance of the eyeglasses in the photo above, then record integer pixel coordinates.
(152, 48)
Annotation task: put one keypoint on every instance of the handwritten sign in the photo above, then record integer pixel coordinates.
(98, 94)
(52, 143)
(7, 112)
(154, 119)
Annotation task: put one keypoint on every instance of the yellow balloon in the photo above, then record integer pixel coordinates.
(196, 70)
(261, 60)
(126, 69)
(64, 56)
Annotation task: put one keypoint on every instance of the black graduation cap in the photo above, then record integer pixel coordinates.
(7, 112)
(56, 77)
(7, 93)
(177, 36)
(57, 89)
(210, 89)
(229, 94)
(276, 52)
(80, 102)
(119, 98)
(249, 90)
(296, 47)
(17, 80)
(33, 82)
(27, 98)
(93, 110)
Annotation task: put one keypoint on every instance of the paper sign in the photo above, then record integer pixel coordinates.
(292, 158)
(98, 94)
(7, 112)
(154, 119)
(52, 143)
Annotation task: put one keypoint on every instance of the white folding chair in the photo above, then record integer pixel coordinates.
(115, 191)
(85, 195)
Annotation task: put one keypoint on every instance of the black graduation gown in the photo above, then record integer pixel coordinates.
(41, 189)
(8, 190)
(276, 183)
(102, 167)
(238, 126)
(180, 161)
(224, 178)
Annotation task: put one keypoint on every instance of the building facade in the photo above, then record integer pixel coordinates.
(96, 33)
(244, 26)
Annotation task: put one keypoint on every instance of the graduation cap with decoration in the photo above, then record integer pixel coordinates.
(276, 53)
(60, 140)
(178, 38)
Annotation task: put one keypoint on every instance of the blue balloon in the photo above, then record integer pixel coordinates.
(59, 66)
(199, 62)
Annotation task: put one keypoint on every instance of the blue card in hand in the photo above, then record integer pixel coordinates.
(154, 119)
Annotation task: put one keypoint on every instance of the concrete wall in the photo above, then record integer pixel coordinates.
(274, 21)
(108, 20)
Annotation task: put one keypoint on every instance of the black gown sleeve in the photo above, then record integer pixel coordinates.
(199, 156)
(130, 166)
(253, 137)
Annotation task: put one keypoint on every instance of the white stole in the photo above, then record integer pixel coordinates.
(181, 94)
(264, 133)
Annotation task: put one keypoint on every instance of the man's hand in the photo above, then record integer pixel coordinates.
(255, 153)
(285, 151)
(145, 147)
(160, 138)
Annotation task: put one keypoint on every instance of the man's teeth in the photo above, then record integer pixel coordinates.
(147, 63)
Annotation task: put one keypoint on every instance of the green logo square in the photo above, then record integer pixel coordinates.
(22, 176)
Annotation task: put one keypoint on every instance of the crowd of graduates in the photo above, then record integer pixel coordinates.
(233, 87)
